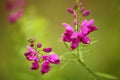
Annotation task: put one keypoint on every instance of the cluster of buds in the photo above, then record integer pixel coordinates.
(78, 33)
(78, 8)
(16, 9)
(40, 56)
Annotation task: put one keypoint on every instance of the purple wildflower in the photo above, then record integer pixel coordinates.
(82, 9)
(34, 66)
(87, 26)
(70, 10)
(86, 12)
(31, 54)
(54, 58)
(86, 40)
(39, 45)
(48, 49)
(45, 67)
(68, 32)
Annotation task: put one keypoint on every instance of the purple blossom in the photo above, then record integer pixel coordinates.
(68, 32)
(10, 5)
(87, 26)
(48, 49)
(45, 57)
(86, 40)
(39, 45)
(66, 37)
(74, 44)
(45, 68)
(70, 10)
(34, 66)
(68, 27)
(75, 6)
(13, 17)
(86, 12)
(54, 58)
(31, 54)
(82, 9)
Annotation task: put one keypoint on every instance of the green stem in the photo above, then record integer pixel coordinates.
(66, 46)
(87, 68)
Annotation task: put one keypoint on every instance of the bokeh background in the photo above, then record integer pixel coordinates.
(42, 19)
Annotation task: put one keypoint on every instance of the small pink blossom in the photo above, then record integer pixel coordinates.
(34, 66)
(86, 40)
(54, 58)
(48, 49)
(70, 10)
(86, 13)
(39, 45)
(45, 67)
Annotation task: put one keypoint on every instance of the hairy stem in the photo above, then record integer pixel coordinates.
(87, 68)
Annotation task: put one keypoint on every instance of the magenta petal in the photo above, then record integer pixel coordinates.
(83, 23)
(29, 48)
(39, 45)
(70, 10)
(54, 58)
(27, 53)
(68, 27)
(48, 49)
(74, 44)
(45, 67)
(45, 57)
(92, 28)
(74, 35)
(13, 18)
(86, 13)
(82, 9)
(85, 30)
(86, 40)
(34, 66)
(66, 38)
(90, 23)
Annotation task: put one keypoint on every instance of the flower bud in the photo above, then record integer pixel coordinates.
(48, 49)
(70, 10)
(39, 45)
(75, 22)
(86, 13)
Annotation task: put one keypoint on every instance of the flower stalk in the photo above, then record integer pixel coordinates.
(86, 67)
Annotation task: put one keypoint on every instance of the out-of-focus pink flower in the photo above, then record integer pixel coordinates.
(48, 49)
(86, 40)
(87, 26)
(39, 45)
(54, 58)
(86, 13)
(70, 10)
(45, 68)
(34, 66)
(75, 22)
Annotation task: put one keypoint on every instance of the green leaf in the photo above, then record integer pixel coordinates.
(106, 76)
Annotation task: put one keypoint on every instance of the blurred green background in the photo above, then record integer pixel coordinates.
(42, 19)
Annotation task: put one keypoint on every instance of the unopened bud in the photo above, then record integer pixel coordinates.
(86, 13)
(70, 10)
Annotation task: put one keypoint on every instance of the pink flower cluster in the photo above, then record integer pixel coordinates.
(16, 8)
(75, 36)
(81, 9)
(41, 56)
